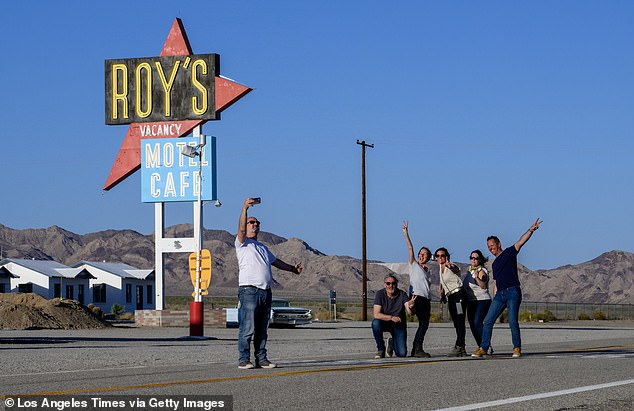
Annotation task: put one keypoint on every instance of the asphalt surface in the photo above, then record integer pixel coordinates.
(565, 366)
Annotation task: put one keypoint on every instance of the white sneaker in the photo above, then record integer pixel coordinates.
(266, 364)
(245, 365)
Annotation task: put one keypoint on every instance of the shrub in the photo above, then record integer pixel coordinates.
(598, 315)
(434, 318)
(504, 317)
(526, 315)
(116, 309)
(546, 316)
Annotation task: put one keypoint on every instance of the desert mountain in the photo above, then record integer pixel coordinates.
(609, 278)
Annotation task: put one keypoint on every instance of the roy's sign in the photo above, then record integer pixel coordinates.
(166, 88)
(167, 175)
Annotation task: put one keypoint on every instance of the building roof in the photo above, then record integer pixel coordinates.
(74, 272)
(119, 269)
(4, 273)
(45, 267)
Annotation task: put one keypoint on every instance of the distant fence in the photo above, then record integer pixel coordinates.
(352, 304)
(582, 311)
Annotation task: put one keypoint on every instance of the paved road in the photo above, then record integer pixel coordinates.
(566, 365)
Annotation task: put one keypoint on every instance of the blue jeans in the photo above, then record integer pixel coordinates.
(476, 311)
(253, 315)
(398, 333)
(510, 298)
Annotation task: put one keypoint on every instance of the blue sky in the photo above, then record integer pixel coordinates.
(484, 115)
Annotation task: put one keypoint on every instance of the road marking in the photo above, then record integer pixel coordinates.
(359, 366)
(538, 396)
(223, 379)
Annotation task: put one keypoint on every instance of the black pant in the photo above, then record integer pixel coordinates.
(422, 308)
(457, 304)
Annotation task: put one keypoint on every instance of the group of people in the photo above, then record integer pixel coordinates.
(468, 295)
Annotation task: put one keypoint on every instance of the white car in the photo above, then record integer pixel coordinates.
(282, 314)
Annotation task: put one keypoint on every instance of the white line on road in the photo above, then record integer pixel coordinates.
(537, 396)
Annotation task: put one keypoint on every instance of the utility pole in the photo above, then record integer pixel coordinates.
(364, 303)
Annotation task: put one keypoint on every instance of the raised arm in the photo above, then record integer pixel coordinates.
(410, 249)
(527, 235)
(242, 222)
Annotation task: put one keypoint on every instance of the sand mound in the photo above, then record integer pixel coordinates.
(26, 311)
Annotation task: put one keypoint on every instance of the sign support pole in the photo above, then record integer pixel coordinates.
(159, 260)
(196, 307)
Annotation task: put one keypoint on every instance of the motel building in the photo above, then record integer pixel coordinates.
(49, 279)
(102, 284)
(119, 283)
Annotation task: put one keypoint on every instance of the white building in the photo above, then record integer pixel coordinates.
(49, 279)
(119, 283)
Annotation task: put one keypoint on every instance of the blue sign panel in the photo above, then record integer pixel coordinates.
(168, 175)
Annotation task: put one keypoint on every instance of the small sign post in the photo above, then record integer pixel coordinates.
(333, 304)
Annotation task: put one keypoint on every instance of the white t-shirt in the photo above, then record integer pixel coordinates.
(419, 281)
(254, 261)
(474, 292)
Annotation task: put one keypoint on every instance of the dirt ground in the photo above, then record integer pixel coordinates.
(27, 311)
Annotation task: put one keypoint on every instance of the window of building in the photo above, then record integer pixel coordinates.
(2, 289)
(99, 293)
(128, 293)
(150, 294)
(25, 288)
(57, 290)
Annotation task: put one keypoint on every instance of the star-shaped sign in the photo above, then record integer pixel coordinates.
(129, 158)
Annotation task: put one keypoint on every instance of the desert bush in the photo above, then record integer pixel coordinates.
(546, 316)
(116, 309)
(598, 315)
(526, 315)
(504, 317)
(583, 316)
(434, 318)
(321, 313)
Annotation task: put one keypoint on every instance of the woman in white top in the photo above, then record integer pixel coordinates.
(419, 292)
(476, 285)
(451, 290)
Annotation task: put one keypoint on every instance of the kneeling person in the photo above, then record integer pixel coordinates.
(391, 305)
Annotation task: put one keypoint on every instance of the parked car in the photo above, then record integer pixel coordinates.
(282, 314)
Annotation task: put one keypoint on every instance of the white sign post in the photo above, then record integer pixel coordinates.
(178, 169)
